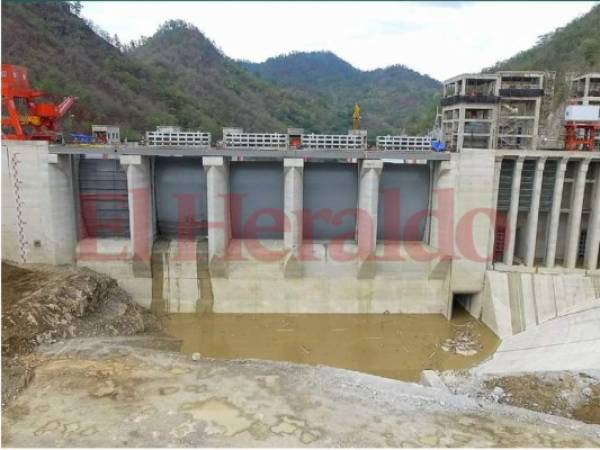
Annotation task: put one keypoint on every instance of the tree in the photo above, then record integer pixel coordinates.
(75, 7)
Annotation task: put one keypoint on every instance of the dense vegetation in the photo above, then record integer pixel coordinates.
(572, 48)
(177, 76)
(392, 99)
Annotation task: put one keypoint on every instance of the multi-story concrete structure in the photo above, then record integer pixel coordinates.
(493, 110)
(585, 89)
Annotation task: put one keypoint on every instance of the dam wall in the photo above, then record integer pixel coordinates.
(512, 302)
(189, 230)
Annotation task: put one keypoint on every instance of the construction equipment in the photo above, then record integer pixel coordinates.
(26, 119)
(582, 123)
(356, 117)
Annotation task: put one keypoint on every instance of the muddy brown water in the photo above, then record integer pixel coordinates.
(396, 346)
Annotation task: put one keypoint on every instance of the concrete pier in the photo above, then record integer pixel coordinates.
(555, 210)
(293, 206)
(492, 235)
(218, 203)
(534, 212)
(574, 225)
(141, 211)
(366, 233)
(511, 226)
(592, 243)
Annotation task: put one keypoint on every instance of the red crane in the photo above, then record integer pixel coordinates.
(40, 122)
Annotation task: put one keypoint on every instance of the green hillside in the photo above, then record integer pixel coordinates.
(210, 88)
(177, 76)
(174, 77)
(392, 99)
(572, 48)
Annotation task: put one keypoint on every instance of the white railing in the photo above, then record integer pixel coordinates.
(333, 142)
(191, 138)
(404, 143)
(276, 141)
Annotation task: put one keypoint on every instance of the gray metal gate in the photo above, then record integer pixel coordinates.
(404, 192)
(103, 203)
(180, 192)
(330, 200)
(256, 199)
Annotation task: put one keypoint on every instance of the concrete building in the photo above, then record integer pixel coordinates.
(585, 89)
(494, 110)
(106, 134)
(315, 231)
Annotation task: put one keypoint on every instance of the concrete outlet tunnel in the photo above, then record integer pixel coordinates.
(180, 192)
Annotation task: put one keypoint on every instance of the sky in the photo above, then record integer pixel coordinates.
(440, 39)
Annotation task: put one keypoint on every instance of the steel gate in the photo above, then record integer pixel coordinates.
(330, 200)
(404, 192)
(256, 199)
(103, 202)
(180, 192)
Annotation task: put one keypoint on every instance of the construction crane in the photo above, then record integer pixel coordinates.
(40, 122)
(356, 117)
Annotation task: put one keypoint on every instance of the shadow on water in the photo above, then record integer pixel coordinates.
(396, 346)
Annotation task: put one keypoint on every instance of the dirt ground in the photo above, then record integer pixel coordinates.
(573, 395)
(44, 304)
(118, 392)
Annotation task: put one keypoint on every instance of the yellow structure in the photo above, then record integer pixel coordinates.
(356, 117)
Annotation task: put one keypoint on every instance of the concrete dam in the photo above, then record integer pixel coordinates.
(513, 235)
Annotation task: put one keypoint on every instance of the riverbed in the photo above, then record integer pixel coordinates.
(397, 346)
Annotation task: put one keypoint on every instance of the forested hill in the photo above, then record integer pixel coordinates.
(177, 76)
(393, 99)
(572, 48)
(214, 89)
(174, 77)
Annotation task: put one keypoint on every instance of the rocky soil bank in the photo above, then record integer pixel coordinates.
(575, 395)
(44, 304)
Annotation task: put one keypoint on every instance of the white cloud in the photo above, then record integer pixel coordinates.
(436, 38)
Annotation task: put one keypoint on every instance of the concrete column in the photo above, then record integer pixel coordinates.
(58, 211)
(141, 212)
(554, 219)
(493, 127)
(293, 207)
(368, 198)
(534, 211)
(536, 124)
(592, 243)
(219, 228)
(574, 225)
(461, 128)
(513, 211)
(586, 89)
(495, 189)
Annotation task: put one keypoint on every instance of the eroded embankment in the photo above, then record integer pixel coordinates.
(44, 304)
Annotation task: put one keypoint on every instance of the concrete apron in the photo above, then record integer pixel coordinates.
(181, 280)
